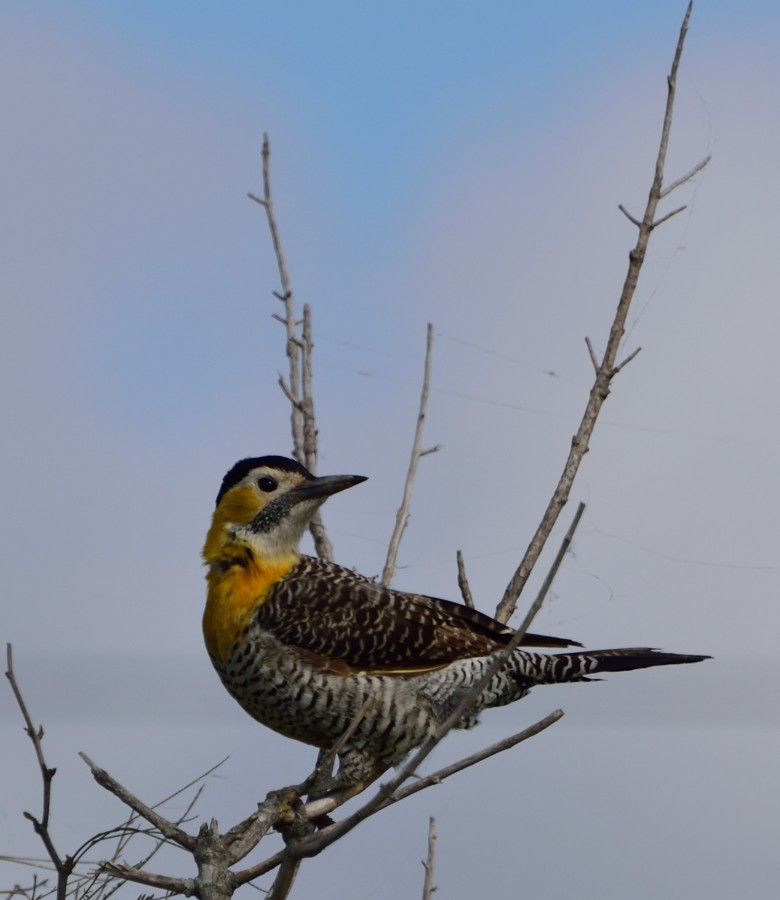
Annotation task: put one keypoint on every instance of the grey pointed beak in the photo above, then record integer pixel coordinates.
(320, 488)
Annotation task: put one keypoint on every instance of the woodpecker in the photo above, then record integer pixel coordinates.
(305, 645)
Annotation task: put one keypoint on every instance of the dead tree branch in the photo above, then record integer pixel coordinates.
(299, 348)
(63, 866)
(463, 582)
(606, 369)
(402, 516)
(547, 583)
(429, 863)
(438, 777)
(168, 829)
(687, 177)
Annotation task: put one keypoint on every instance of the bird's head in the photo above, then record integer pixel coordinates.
(263, 507)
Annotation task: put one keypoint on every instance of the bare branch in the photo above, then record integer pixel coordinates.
(628, 359)
(463, 582)
(293, 390)
(63, 867)
(392, 792)
(429, 864)
(171, 831)
(562, 550)
(402, 516)
(592, 353)
(669, 216)
(687, 177)
(184, 886)
(288, 393)
(244, 837)
(298, 389)
(606, 370)
(628, 215)
(499, 747)
(322, 542)
(284, 880)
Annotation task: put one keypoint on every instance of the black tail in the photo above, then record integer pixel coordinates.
(564, 667)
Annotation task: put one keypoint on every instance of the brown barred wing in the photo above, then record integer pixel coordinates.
(324, 609)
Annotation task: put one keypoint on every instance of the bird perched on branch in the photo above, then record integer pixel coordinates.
(309, 648)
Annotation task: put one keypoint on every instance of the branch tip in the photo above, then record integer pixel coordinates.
(628, 215)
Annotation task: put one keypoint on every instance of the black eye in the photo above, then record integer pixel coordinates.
(267, 484)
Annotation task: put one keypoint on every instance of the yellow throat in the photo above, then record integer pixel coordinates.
(238, 581)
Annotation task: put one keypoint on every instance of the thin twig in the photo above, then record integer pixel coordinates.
(592, 353)
(669, 216)
(687, 177)
(184, 886)
(158, 844)
(547, 583)
(628, 359)
(606, 370)
(169, 829)
(392, 792)
(429, 863)
(298, 388)
(463, 582)
(63, 867)
(263, 868)
(322, 542)
(402, 516)
(468, 761)
(286, 297)
(628, 215)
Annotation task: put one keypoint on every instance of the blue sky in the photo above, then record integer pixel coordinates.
(458, 163)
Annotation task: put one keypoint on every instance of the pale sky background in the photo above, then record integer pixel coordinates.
(459, 163)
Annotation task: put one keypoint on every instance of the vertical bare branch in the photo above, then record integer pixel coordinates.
(608, 367)
(322, 542)
(299, 347)
(463, 582)
(285, 877)
(430, 862)
(293, 345)
(63, 867)
(402, 516)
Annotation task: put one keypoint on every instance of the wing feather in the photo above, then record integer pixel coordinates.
(329, 611)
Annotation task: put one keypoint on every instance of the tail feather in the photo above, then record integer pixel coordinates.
(565, 667)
